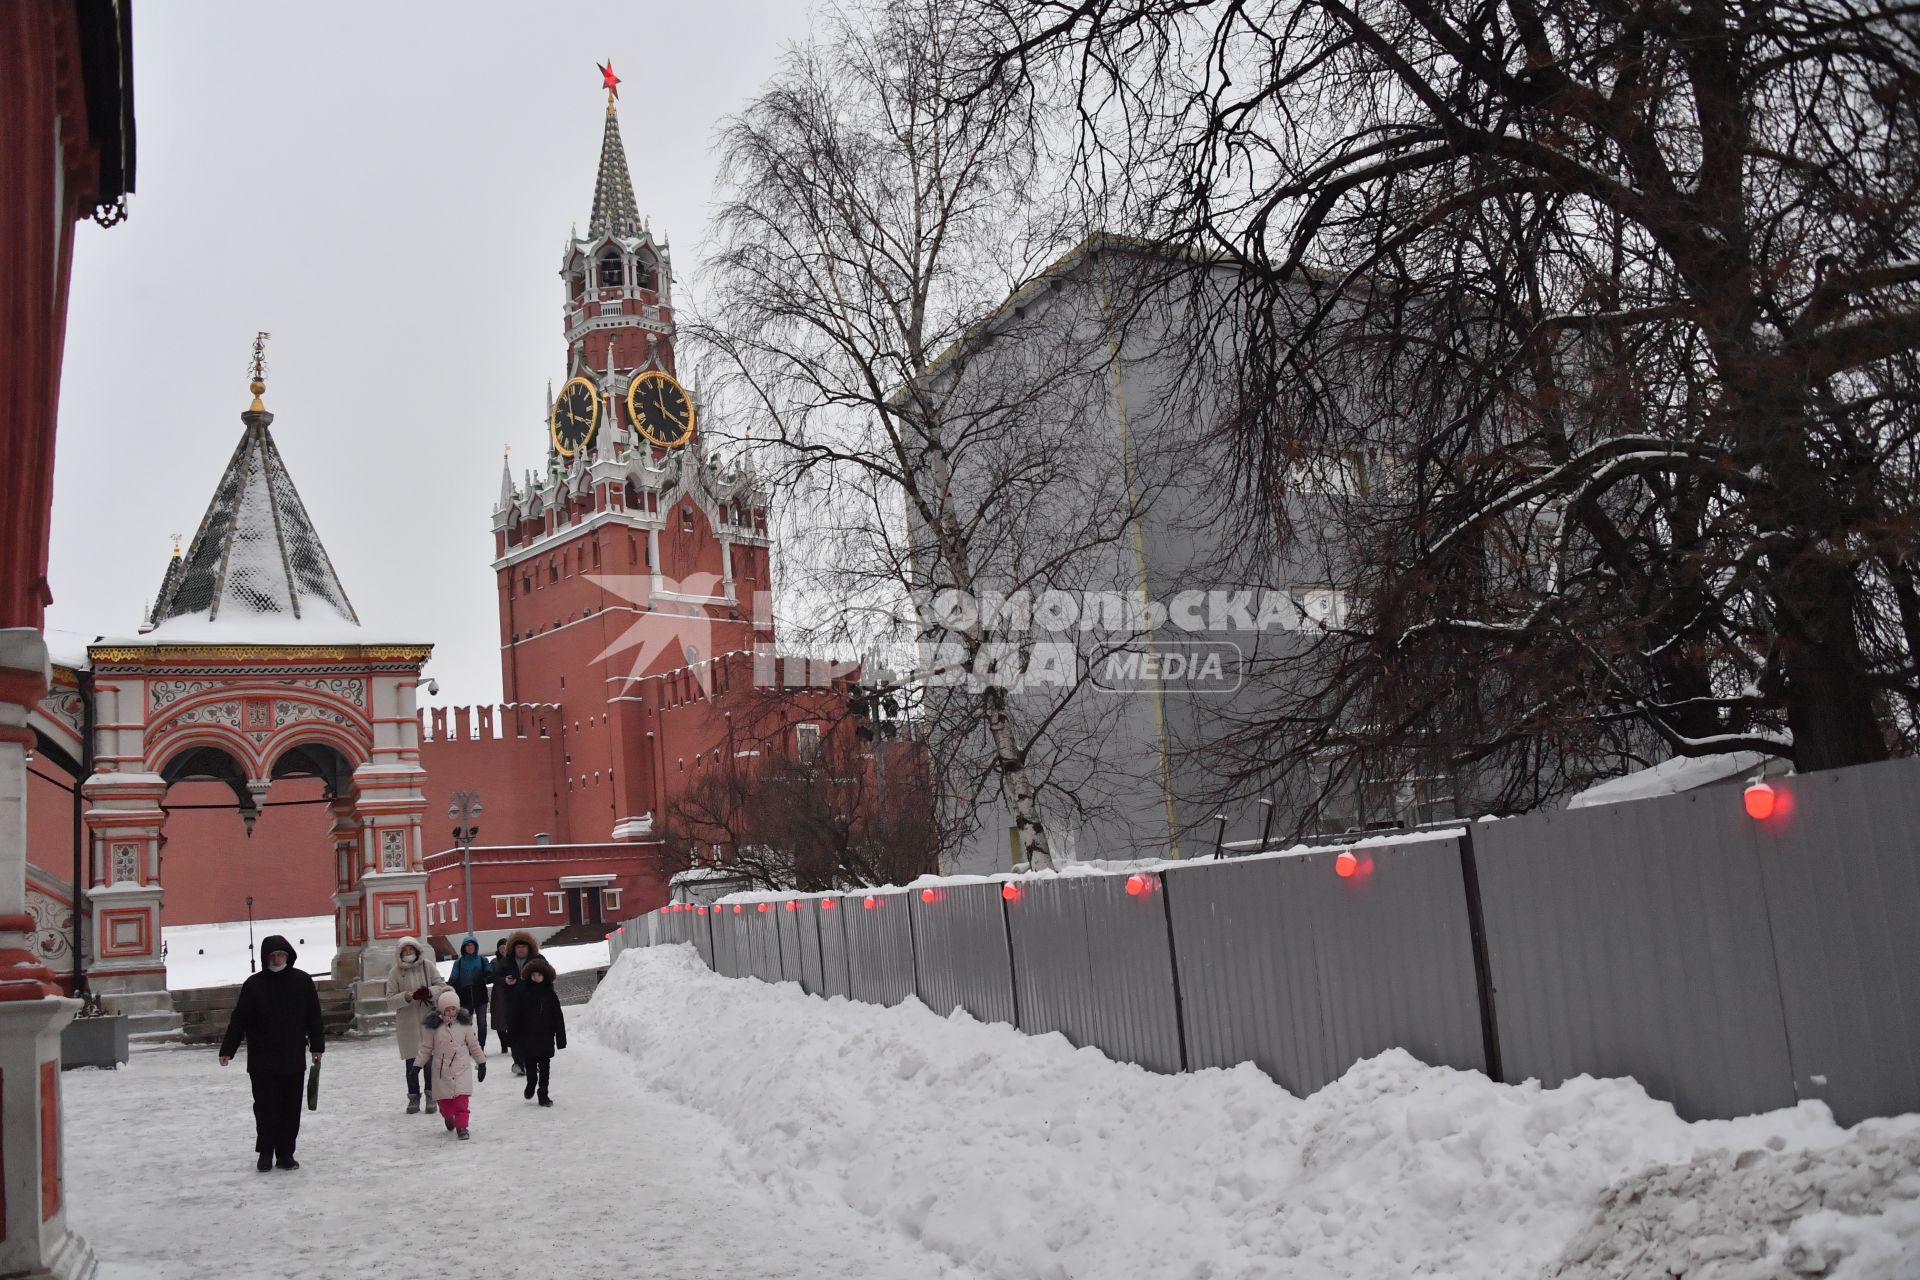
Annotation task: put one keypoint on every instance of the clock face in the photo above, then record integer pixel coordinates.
(576, 416)
(660, 409)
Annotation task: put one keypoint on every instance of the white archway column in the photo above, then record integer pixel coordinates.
(34, 1240)
(124, 961)
(390, 802)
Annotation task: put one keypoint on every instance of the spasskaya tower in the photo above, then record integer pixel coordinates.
(631, 559)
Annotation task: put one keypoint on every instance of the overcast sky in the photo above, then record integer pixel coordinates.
(386, 189)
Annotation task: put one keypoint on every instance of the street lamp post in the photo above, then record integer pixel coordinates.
(251, 968)
(465, 812)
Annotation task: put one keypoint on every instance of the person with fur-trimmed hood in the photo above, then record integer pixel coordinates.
(521, 947)
(450, 1051)
(413, 985)
(501, 969)
(539, 1026)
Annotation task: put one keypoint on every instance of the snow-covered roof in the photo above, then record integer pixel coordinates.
(256, 563)
(1670, 777)
(67, 648)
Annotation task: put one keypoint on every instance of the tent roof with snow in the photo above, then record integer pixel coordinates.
(256, 567)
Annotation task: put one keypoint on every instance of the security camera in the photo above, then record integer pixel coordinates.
(433, 688)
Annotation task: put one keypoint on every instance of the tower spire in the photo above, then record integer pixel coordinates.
(614, 210)
(258, 368)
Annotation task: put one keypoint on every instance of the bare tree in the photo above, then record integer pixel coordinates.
(1616, 304)
(847, 812)
(885, 231)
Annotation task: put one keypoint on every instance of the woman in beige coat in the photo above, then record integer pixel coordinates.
(412, 985)
(450, 1051)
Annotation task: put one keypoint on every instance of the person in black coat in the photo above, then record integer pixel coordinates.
(504, 973)
(521, 947)
(278, 1015)
(539, 1027)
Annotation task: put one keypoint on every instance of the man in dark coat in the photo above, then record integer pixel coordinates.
(278, 1015)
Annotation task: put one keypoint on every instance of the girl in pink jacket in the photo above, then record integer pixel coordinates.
(449, 1042)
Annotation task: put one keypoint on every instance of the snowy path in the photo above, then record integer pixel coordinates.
(610, 1181)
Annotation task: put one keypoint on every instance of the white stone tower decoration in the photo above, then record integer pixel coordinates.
(255, 666)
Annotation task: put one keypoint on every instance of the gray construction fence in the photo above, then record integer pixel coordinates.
(1730, 964)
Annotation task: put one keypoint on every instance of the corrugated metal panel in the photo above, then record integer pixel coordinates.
(763, 942)
(1286, 964)
(1093, 963)
(834, 979)
(960, 952)
(788, 915)
(701, 923)
(1841, 861)
(879, 949)
(1250, 990)
(1396, 955)
(730, 944)
(812, 980)
(1134, 1008)
(1631, 940)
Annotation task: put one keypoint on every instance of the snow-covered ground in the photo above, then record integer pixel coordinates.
(613, 1181)
(215, 955)
(711, 1127)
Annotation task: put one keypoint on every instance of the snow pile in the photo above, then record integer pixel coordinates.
(1670, 778)
(1016, 1156)
(1760, 1214)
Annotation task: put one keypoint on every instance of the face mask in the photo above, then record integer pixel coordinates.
(276, 965)
(409, 955)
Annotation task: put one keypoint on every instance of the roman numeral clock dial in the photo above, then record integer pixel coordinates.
(576, 417)
(660, 409)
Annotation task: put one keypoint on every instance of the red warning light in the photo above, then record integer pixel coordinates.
(700, 911)
(1760, 800)
(1137, 885)
(1010, 891)
(738, 909)
(1346, 864)
(826, 904)
(763, 906)
(793, 904)
(872, 902)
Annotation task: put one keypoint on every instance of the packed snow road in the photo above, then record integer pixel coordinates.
(707, 1127)
(611, 1181)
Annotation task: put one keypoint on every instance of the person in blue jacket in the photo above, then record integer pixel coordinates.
(469, 981)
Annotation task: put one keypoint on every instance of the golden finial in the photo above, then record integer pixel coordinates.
(259, 384)
(176, 546)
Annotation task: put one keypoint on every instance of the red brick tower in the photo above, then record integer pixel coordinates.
(631, 553)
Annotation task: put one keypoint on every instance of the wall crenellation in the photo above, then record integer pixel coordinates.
(488, 722)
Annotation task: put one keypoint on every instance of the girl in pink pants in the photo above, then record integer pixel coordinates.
(450, 1043)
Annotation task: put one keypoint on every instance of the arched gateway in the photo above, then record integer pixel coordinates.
(253, 667)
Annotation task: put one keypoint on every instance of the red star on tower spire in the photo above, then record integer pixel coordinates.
(608, 79)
